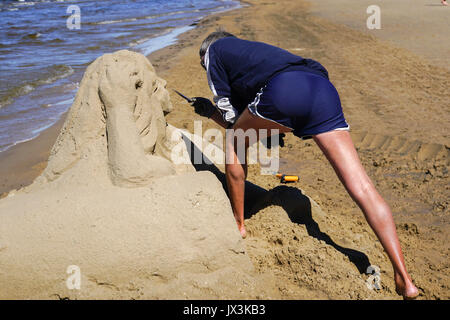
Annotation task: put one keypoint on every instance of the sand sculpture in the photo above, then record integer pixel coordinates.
(113, 209)
(123, 106)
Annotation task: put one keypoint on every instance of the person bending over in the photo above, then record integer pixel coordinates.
(259, 86)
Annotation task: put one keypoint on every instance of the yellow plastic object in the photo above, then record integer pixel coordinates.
(287, 178)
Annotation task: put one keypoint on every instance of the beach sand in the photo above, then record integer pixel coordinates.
(397, 104)
(417, 25)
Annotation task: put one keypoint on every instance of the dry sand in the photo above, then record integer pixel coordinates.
(421, 26)
(398, 107)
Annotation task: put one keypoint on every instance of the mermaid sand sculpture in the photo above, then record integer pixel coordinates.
(112, 205)
(124, 107)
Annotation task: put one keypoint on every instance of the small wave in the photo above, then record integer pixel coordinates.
(37, 131)
(14, 93)
(4, 147)
(161, 41)
(33, 134)
(57, 72)
(55, 40)
(113, 21)
(167, 14)
(65, 102)
(93, 48)
(32, 35)
(24, 3)
(20, 113)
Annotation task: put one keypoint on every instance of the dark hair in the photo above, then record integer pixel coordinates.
(214, 36)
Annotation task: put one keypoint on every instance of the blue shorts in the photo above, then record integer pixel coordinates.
(302, 101)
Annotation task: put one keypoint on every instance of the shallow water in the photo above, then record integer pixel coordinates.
(42, 60)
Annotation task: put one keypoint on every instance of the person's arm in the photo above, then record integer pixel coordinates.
(218, 118)
(219, 84)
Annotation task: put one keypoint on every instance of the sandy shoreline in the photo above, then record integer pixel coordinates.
(22, 163)
(395, 103)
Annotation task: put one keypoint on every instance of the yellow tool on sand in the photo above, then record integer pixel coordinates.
(284, 178)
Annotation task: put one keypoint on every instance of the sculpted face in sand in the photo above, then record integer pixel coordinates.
(124, 106)
(135, 123)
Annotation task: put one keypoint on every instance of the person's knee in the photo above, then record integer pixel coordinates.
(361, 191)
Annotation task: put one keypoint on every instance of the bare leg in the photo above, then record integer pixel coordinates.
(235, 173)
(339, 149)
(236, 169)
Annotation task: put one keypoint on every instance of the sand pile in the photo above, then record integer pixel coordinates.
(112, 204)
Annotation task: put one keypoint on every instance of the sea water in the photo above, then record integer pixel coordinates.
(44, 52)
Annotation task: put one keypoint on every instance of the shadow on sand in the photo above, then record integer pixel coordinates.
(292, 200)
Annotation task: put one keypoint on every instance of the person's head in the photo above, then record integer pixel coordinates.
(214, 36)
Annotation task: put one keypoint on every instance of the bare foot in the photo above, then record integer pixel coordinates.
(406, 289)
(242, 231)
(444, 3)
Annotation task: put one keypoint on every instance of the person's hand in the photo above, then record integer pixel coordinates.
(203, 107)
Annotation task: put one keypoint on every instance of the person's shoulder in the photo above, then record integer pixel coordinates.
(226, 43)
(233, 44)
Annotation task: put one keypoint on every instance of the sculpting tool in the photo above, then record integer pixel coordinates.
(284, 178)
(190, 100)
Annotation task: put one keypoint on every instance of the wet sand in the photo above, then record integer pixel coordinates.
(397, 105)
(22, 163)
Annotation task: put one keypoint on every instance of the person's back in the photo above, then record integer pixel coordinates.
(239, 68)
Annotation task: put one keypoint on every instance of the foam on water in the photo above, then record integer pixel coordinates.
(154, 44)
